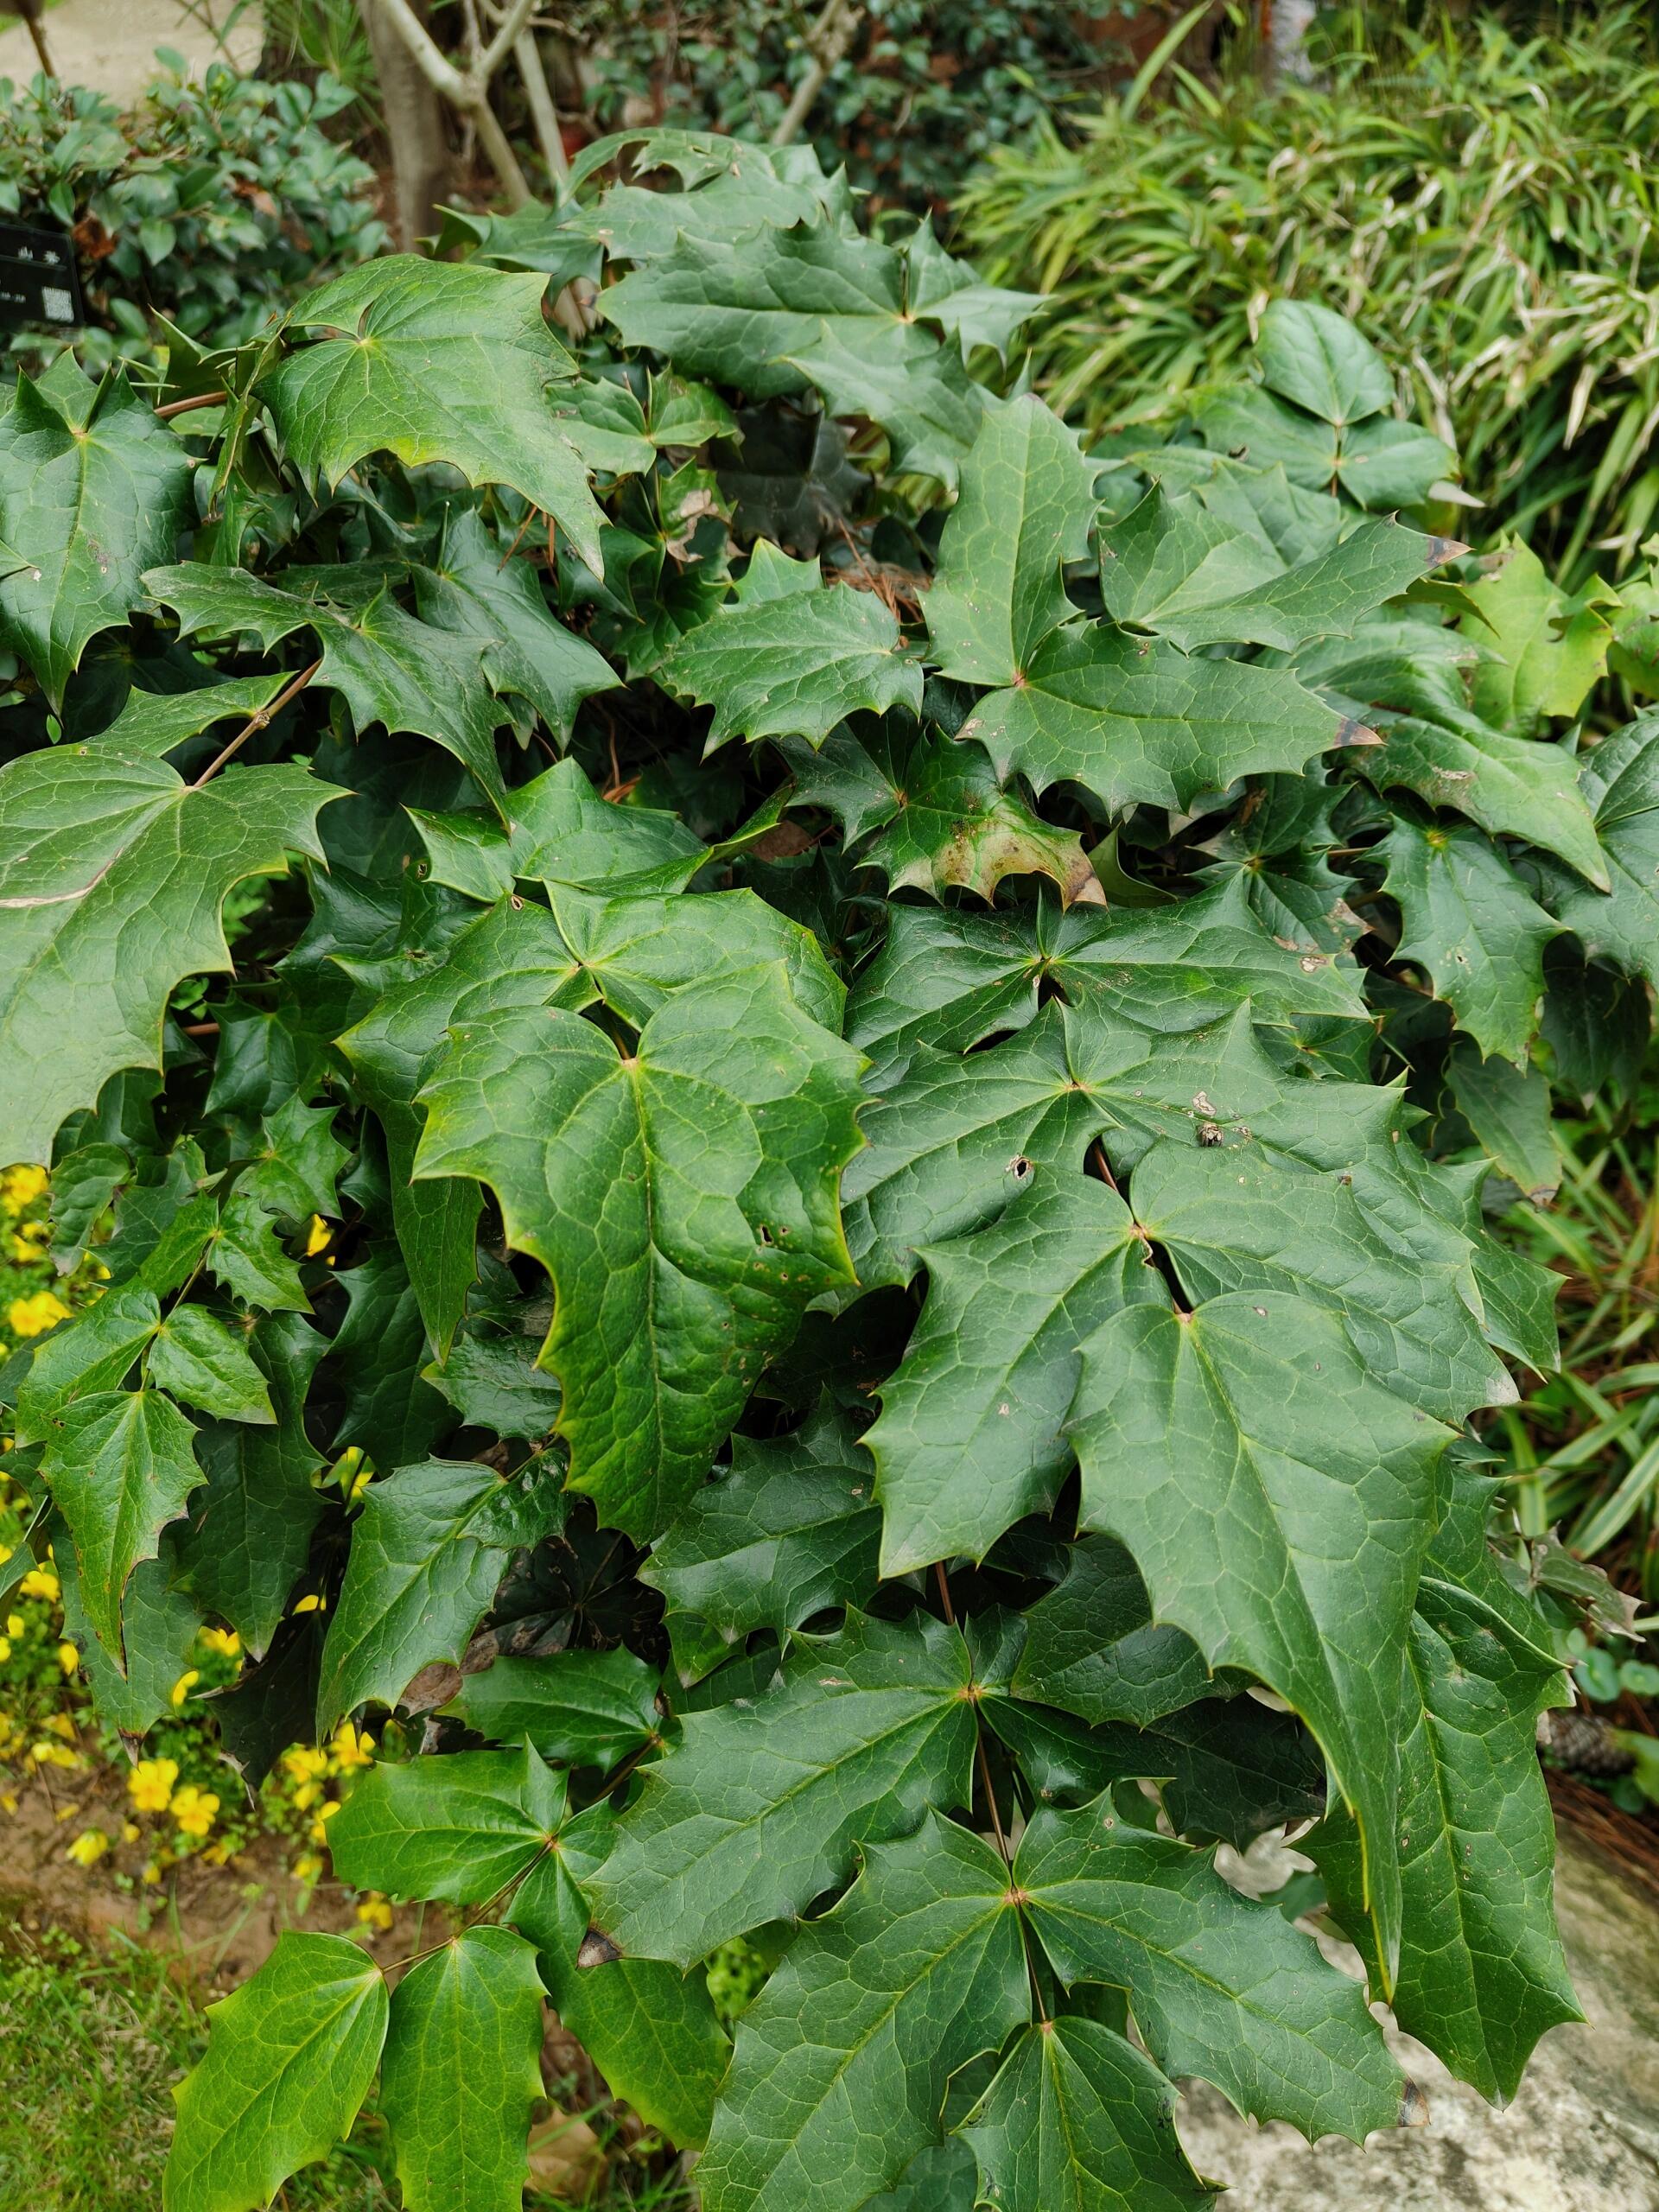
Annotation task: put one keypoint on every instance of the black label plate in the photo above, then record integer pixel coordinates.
(39, 282)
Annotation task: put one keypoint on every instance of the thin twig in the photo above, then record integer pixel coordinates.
(188, 406)
(261, 718)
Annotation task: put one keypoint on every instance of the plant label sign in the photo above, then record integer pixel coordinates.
(39, 282)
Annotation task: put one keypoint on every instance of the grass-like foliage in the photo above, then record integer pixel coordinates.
(1475, 196)
(779, 991)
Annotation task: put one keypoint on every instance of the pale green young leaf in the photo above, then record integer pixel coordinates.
(89, 839)
(461, 2072)
(1546, 647)
(841, 2063)
(681, 1197)
(291, 2056)
(435, 361)
(759, 1806)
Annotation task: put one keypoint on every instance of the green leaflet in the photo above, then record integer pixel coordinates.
(759, 1807)
(427, 1552)
(790, 1530)
(94, 1353)
(681, 1196)
(795, 666)
(1317, 359)
(1179, 570)
(578, 1708)
(461, 2072)
(475, 593)
(1079, 2121)
(88, 837)
(459, 1828)
(249, 1529)
(950, 979)
(1026, 507)
(734, 313)
(1218, 1987)
(1474, 931)
(1133, 719)
(1512, 786)
(388, 667)
(1481, 1972)
(952, 1139)
(119, 1467)
(1231, 1221)
(970, 1438)
(289, 2059)
(916, 1971)
(93, 490)
(651, 2029)
(434, 362)
(1620, 780)
(197, 1358)
(1091, 1645)
(902, 380)
(1278, 1503)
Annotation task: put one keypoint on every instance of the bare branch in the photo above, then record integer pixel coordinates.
(826, 42)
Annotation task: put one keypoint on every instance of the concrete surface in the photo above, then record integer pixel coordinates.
(1582, 2136)
(111, 44)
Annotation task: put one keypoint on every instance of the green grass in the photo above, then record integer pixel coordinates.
(92, 2040)
(92, 2037)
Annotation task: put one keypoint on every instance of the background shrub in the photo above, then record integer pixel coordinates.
(213, 204)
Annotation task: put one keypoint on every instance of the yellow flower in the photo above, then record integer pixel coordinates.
(32, 1316)
(130, 1831)
(68, 1657)
(150, 1784)
(307, 1795)
(218, 1852)
(39, 1582)
(351, 1747)
(152, 1871)
(311, 1604)
(182, 1688)
(61, 1725)
(304, 1763)
(317, 1237)
(306, 1868)
(324, 1814)
(55, 1755)
(21, 1186)
(15, 1624)
(225, 1640)
(88, 1847)
(5, 1649)
(193, 1810)
(374, 1912)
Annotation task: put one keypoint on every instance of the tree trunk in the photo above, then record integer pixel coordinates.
(415, 129)
(1289, 24)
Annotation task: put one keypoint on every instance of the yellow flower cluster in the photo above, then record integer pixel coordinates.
(21, 1187)
(33, 1315)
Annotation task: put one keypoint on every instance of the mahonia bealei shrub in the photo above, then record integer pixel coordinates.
(859, 1062)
